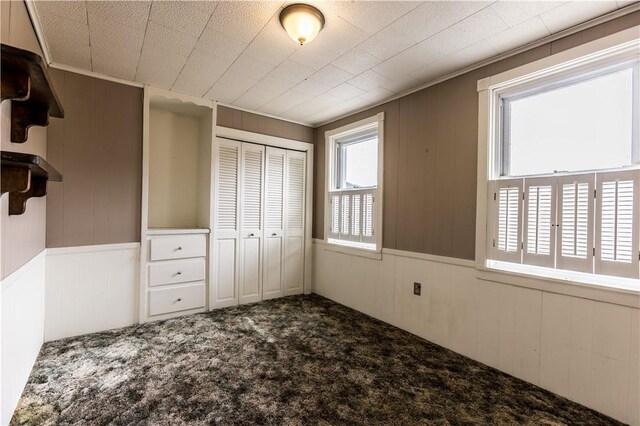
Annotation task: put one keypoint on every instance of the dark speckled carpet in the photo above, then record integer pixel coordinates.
(299, 360)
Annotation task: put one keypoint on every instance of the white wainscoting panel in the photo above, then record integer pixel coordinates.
(585, 350)
(21, 330)
(91, 289)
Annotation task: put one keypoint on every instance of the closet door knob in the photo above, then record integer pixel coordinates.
(251, 235)
(179, 248)
(274, 234)
(179, 300)
(178, 273)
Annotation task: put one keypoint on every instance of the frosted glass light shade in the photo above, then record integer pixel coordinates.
(302, 22)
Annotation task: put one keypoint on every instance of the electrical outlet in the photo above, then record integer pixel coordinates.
(417, 289)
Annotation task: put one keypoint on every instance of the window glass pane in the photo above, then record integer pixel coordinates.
(360, 163)
(583, 126)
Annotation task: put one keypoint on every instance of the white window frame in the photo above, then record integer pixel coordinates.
(331, 138)
(616, 48)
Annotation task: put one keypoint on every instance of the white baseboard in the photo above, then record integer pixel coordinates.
(21, 330)
(91, 289)
(585, 350)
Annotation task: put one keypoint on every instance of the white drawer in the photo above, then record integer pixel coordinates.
(174, 299)
(178, 271)
(178, 247)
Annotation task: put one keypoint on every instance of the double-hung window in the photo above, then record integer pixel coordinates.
(564, 176)
(353, 208)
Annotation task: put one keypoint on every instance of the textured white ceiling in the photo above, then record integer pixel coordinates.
(236, 52)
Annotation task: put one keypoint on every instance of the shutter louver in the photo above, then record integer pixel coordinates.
(335, 215)
(275, 194)
(252, 189)
(540, 216)
(355, 216)
(227, 187)
(617, 226)
(295, 192)
(509, 199)
(344, 216)
(575, 220)
(539, 220)
(508, 218)
(367, 218)
(617, 208)
(575, 198)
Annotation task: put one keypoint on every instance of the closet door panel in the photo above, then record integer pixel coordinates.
(227, 224)
(251, 229)
(274, 223)
(225, 270)
(295, 173)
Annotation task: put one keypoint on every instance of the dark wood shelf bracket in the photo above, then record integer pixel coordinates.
(25, 176)
(26, 83)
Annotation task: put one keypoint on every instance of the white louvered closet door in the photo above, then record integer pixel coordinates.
(227, 224)
(273, 261)
(294, 202)
(539, 222)
(575, 217)
(251, 227)
(617, 224)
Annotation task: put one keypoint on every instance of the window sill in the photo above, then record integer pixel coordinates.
(620, 291)
(350, 249)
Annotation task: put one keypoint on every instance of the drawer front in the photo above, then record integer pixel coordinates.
(178, 247)
(179, 271)
(175, 299)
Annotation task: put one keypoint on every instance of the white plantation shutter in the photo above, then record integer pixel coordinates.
(617, 225)
(356, 216)
(334, 219)
(228, 178)
(539, 221)
(345, 202)
(575, 217)
(252, 172)
(507, 211)
(367, 217)
(352, 215)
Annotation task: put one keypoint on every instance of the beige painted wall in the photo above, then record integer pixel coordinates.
(21, 237)
(242, 120)
(98, 149)
(174, 145)
(430, 156)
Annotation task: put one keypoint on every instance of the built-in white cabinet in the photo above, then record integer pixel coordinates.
(260, 215)
(225, 213)
(176, 205)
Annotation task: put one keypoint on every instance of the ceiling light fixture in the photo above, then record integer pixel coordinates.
(302, 22)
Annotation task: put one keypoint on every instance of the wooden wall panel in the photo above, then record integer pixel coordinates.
(243, 120)
(98, 149)
(431, 156)
(23, 236)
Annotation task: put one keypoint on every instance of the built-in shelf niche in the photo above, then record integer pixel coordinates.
(180, 136)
